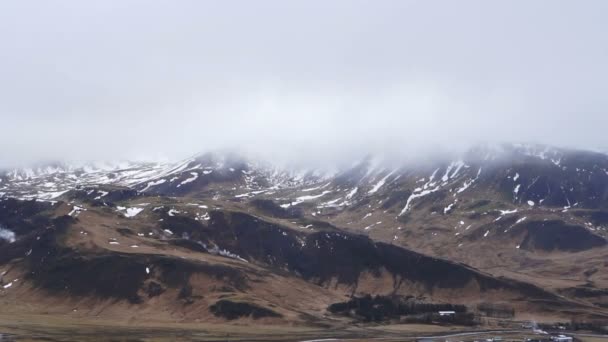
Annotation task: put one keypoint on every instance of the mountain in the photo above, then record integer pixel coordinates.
(219, 237)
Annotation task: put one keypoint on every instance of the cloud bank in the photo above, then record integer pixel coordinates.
(297, 79)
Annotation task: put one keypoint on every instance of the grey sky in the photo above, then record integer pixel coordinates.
(142, 79)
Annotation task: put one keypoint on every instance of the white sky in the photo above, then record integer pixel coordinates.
(310, 79)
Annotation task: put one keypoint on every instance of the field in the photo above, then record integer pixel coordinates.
(63, 329)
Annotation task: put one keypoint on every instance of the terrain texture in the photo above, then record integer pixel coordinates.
(514, 232)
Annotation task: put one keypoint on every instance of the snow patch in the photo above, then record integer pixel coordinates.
(132, 212)
(76, 210)
(189, 180)
(154, 183)
(7, 235)
(414, 196)
(304, 199)
(380, 183)
(516, 190)
(448, 208)
(101, 194)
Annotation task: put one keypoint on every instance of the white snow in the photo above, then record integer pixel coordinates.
(430, 181)
(486, 234)
(448, 208)
(249, 194)
(8, 285)
(516, 177)
(459, 164)
(147, 270)
(226, 253)
(531, 203)
(464, 186)
(468, 183)
(189, 180)
(446, 176)
(316, 188)
(304, 199)
(308, 198)
(516, 190)
(168, 231)
(76, 210)
(373, 224)
(205, 217)
(7, 235)
(101, 194)
(332, 203)
(507, 212)
(172, 212)
(132, 212)
(380, 183)
(114, 243)
(414, 196)
(421, 192)
(154, 183)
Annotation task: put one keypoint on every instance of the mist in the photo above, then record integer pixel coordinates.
(309, 80)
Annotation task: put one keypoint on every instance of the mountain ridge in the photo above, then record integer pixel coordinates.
(534, 217)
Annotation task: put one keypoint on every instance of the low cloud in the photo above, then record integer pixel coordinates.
(305, 80)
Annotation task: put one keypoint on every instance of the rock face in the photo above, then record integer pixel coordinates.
(225, 238)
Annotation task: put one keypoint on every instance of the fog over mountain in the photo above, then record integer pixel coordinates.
(313, 80)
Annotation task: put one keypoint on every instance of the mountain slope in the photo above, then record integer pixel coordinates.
(518, 224)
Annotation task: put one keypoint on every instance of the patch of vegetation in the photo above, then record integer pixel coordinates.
(270, 208)
(324, 256)
(497, 310)
(154, 289)
(557, 235)
(125, 231)
(599, 327)
(395, 198)
(479, 204)
(233, 310)
(383, 308)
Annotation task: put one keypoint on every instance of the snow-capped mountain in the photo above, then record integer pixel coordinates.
(499, 222)
(525, 174)
(50, 182)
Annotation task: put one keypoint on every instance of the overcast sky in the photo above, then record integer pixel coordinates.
(148, 79)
